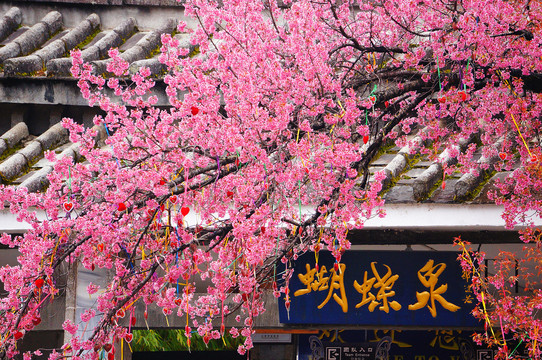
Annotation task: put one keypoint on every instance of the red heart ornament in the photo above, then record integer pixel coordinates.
(372, 99)
(365, 139)
(185, 210)
(121, 313)
(36, 321)
(173, 199)
(336, 266)
(133, 320)
(39, 283)
(502, 155)
(128, 338)
(18, 335)
(442, 99)
(121, 207)
(107, 347)
(463, 95)
(443, 185)
(386, 103)
(110, 356)
(194, 110)
(68, 206)
(229, 194)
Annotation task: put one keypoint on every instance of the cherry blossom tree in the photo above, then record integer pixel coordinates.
(264, 152)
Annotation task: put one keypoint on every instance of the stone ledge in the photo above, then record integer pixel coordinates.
(56, 91)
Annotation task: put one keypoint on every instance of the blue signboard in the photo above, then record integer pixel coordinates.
(393, 345)
(407, 288)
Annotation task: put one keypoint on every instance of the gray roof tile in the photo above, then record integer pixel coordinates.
(25, 166)
(40, 49)
(10, 21)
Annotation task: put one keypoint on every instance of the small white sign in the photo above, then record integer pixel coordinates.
(271, 338)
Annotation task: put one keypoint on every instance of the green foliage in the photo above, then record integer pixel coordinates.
(175, 340)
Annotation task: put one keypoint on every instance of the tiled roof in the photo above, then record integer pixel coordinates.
(42, 49)
(22, 161)
(39, 50)
(410, 176)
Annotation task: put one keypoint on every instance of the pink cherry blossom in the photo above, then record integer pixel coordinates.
(267, 148)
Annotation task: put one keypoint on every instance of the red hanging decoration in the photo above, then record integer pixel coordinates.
(68, 206)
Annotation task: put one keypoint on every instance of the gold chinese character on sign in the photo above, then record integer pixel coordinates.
(337, 283)
(384, 285)
(316, 281)
(331, 336)
(428, 276)
(445, 339)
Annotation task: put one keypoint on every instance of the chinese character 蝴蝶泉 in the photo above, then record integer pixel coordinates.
(428, 276)
(316, 281)
(384, 285)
